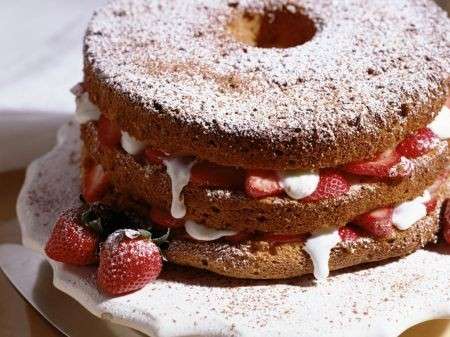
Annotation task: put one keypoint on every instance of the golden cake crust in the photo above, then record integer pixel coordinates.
(167, 71)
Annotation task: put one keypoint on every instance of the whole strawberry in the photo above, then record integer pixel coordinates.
(72, 241)
(128, 261)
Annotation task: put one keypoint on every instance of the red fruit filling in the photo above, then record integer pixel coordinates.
(262, 183)
(348, 233)
(164, 218)
(155, 157)
(381, 166)
(95, 183)
(331, 185)
(431, 205)
(378, 222)
(418, 144)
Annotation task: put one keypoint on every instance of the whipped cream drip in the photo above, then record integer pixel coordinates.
(319, 246)
(441, 124)
(408, 213)
(298, 184)
(131, 144)
(85, 110)
(203, 233)
(179, 171)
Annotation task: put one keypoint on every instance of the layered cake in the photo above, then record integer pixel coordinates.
(265, 139)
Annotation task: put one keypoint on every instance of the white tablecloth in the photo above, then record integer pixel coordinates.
(40, 60)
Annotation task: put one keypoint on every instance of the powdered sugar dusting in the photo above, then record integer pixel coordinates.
(178, 57)
(382, 300)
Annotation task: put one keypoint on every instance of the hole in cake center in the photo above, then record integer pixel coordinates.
(280, 28)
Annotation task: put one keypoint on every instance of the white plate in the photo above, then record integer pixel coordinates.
(380, 300)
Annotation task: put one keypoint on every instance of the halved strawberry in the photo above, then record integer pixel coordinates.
(281, 238)
(208, 174)
(418, 144)
(164, 219)
(262, 183)
(331, 185)
(446, 221)
(95, 183)
(380, 166)
(348, 233)
(155, 156)
(108, 132)
(378, 222)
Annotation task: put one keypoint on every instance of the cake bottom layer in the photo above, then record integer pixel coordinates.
(261, 259)
(290, 259)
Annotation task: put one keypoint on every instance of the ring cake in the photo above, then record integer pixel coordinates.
(274, 138)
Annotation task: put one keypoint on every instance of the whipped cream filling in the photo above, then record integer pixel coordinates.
(85, 110)
(203, 233)
(408, 213)
(179, 171)
(131, 144)
(299, 184)
(441, 124)
(319, 246)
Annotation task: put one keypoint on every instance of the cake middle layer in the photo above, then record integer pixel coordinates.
(233, 209)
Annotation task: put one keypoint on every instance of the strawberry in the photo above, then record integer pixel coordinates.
(108, 132)
(418, 144)
(155, 157)
(331, 185)
(164, 218)
(348, 233)
(431, 205)
(378, 222)
(381, 166)
(128, 261)
(95, 183)
(208, 174)
(446, 221)
(281, 238)
(262, 183)
(72, 241)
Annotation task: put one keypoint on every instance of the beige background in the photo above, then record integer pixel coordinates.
(18, 319)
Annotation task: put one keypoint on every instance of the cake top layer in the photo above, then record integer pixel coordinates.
(226, 76)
